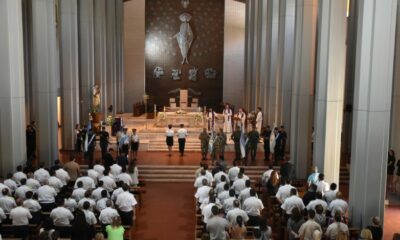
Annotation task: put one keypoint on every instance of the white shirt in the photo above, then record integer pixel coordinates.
(228, 204)
(93, 174)
(312, 204)
(61, 216)
(336, 205)
(46, 194)
(107, 215)
(199, 181)
(216, 227)
(11, 184)
(284, 192)
(330, 196)
(21, 191)
(206, 212)
(99, 169)
(135, 176)
(220, 187)
(20, 216)
(322, 187)
(108, 183)
(239, 185)
(63, 176)
(202, 193)
(2, 186)
(182, 133)
(253, 206)
(41, 175)
(70, 204)
(222, 196)
(218, 175)
(333, 230)
(292, 202)
(233, 173)
(90, 217)
(18, 176)
(116, 193)
(126, 178)
(266, 176)
(33, 183)
(96, 194)
(234, 213)
(32, 205)
(101, 204)
(87, 182)
(125, 202)
(259, 117)
(135, 138)
(115, 169)
(207, 201)
(307, 229)
(78, 194)
(169, 133)
(7, 203)
(55, 183)
(2, 215)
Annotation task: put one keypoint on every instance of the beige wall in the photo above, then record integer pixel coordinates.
(134, 35)
(234, 44)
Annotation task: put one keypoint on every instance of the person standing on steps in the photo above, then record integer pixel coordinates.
(104, 136)
(182, 134)
(204, 139)
(134, 144)
(169, 139)
(236, 139)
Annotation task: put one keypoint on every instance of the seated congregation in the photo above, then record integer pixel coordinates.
(230, 205)
(67, 202)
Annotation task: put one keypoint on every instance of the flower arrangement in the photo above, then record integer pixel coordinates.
(180, 112)
(110, 120)
(198, 117)
(162, 116)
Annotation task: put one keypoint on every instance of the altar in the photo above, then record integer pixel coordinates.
(189, 119)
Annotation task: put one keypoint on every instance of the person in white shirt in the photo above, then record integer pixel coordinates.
(41, 174)
(338, 205)
(259, 119)
(115, 170)
(169, 134)
(11, 183)
(33, 206)
(322, 186)
(218, 176)
(46, 197)
(61, 217)
(126, 203)
(202, 192)
(330, 195)
(224, 194)
(239, 184)
(208, 175)
(284, 191)
(233, 172)
(19, 175)
(206, 210)
(22, 190)
(125, 177)
(93, 174)
(20, 219)
(88, 182)
(99, 168)
(63, 176)
(102, 202)
(89, 215)
(318, 201)
(245, 193)
(253, 206)
(87, 198)
(6, 202)
(199, 180)
(55, 182)
(69, 202)
(134, 173)
(79, 192)
(134, 144)
(292, 202)
(182, 134)
(228, 203)
(336, 228)
(310, 228)
(227, 119)
(97, 193)
(221, 186)
(217, 225)
(107, 214)
(3, 216)
(2, 186)
(235, 212)
(266, 176)
(32, 183)
(117, 191)
(108, 182)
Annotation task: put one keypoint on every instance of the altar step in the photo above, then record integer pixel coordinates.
(191, 145)
(181, 173)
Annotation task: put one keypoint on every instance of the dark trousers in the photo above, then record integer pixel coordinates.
(89, 157)
(103, 147)
(237, 151)
(181, 142)
(65, 232)
(21, 231)
(253, 152)
(126, 218)
(254, 221)
(47, 207)
(266, 151)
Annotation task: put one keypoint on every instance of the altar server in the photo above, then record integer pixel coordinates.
(134, 144)
(182, 134)
(169, 138)
(211, 119)
(241, 120)
(259, 119)
(227, 119)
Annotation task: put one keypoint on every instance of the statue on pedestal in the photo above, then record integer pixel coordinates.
(96, 98)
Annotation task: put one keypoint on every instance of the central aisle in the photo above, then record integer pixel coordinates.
(167, 212)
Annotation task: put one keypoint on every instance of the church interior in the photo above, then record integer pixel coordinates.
(199, 119)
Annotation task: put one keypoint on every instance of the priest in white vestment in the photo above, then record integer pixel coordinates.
(259, 119)
(227, 119)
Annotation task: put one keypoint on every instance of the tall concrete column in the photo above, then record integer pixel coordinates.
(45, 78)
(12, 95)
(303, 86)
(395, 119)
(119, 23)
(372, 104)
(330, 77)
(111, 32)
(100, 51)
(286, 59)
(69, 72)
(86, 56)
